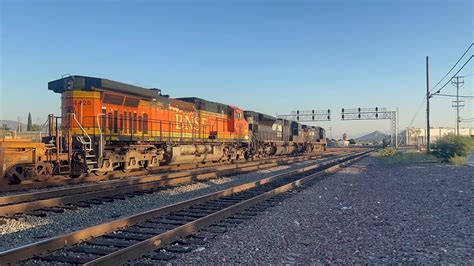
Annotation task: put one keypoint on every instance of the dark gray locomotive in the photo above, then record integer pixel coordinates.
(275, 136)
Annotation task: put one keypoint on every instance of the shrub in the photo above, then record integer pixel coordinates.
(389, 151)
(451, 145)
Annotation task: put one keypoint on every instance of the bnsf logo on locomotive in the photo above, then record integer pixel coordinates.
(187, 122)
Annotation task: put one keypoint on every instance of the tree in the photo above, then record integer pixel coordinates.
(30, 123)
(35, 127)
(352, 141)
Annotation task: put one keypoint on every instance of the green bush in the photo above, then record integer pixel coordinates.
(451, 146)
(388, 152)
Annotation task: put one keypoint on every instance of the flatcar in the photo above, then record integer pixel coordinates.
(107, 125)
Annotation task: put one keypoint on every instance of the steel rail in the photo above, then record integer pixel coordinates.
(66, 196)
(28, 196)
(61, 180)
(139, 249)
(55, 243)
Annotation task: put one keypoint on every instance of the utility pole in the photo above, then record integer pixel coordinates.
(427, 106)
(330, 132)
(456, 82)
(396, 129)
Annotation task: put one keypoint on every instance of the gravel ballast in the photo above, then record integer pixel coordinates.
(367, 213)
(28, 229)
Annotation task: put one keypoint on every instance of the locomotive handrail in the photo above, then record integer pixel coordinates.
(101, 139)
(83, 130)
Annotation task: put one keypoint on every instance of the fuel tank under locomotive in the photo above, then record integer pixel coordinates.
(197, 153)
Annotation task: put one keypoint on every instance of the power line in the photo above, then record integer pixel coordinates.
(452, 67)
(417, 112)
(425, 98)
(453, 76)
(451, 95)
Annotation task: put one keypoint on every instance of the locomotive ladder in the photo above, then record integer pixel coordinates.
(90, 156)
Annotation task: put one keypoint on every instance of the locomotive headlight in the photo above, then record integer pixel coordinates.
(70, 110)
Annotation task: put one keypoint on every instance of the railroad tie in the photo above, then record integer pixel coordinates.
(179, 249)
(170, 222)
(215, 229)
(157, 226)
(134, 230)
(180, 218)
(204, 235)
(52, 209)
(90, 250)
(161, 256)
(82, 204)
(93, 201)
(68, 207)
(191, 241)
(189, 214)
(36, 213)
(66, 259)
(107, 199)
(110, 243)
(199, 211)
(126, 236)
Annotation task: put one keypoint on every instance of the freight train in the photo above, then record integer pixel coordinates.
(107, 126)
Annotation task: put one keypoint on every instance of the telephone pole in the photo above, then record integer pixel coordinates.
(458, 83)
(427, 106)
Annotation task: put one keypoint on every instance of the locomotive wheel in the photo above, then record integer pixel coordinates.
(15, 176)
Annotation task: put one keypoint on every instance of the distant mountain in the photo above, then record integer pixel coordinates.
(12, 125)
(374, 136)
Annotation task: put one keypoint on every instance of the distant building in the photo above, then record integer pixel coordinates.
(417, 136)
(343, 143)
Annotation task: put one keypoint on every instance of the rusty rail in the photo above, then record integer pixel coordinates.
(33, 201)
(52, 181)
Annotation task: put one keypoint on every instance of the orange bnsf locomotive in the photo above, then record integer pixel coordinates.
(107, 125)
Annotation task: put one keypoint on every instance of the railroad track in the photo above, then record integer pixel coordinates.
(185, 223)
(58, 200)
(53, 181)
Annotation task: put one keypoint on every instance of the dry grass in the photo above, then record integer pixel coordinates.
(408, 156)
(457, 160)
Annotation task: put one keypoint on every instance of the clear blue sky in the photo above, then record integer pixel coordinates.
(268, 56)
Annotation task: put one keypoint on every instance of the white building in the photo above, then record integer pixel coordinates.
(417, 136)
